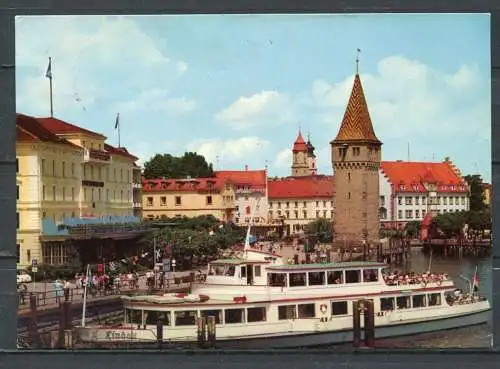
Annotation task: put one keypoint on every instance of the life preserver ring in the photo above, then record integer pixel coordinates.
(323, 308)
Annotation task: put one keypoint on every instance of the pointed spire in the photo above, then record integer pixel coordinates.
(299, 144)
(358, 51)
(356, 124)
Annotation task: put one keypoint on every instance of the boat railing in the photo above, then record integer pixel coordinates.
(417, 280)
(461, 298)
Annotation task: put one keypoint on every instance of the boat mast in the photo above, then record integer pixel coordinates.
(247, 239)
(87, 281)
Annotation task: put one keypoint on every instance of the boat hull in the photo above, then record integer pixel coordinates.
(316, 339)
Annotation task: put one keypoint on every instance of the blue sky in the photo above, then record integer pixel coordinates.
(237, 88)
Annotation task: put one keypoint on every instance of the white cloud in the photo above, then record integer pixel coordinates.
(283, 159)
(145, 151)
(228, 151)
(408, 99)
(265, 108)
(89, 54)
(154, 101)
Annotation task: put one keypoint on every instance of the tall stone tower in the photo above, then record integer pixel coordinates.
(304, 159)
(356, 155)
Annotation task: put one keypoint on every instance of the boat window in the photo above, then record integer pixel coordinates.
(387, 303)
(277, 279)
(243, 271)
(403, 302)
(287, 312)
(339, 308)
(307, 310)
(134, 316)
(352, 276)
(335, 277)
(434, 299)
(234, 316)
(257, 314)
(418, 301)
(370, 275)
(151, 317)
(297, 279)
(216, 313)
(316, 278)
(185, 317)
(257, 271)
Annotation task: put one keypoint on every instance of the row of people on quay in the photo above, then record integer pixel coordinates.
(400, 279)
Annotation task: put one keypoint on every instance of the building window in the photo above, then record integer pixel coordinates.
(305, 214)
(17, 165)
(279, 205)
(149, 201)
(287, 214)
(317, 213)
(456, 200)
(18, 253)
(54, 193)
(423, 200)
(400, 214)
(54, 168)
(17, 220)
(64, 169)
(382, 200)
(348, 177)
(72, 194)
(43, 166)
(17, 190)
(287, 204)
(209, 200)
(439, 200)
(99, 194)
(177, 200)
(408, 200)
(463, 200)
(72, 169)
(444, 201)
(348, 195)
(305, 204)
(356, 151)
(296, 212)
(417, 214)
(400, 200)
(163, 200)
(416, 200)
(409, 214)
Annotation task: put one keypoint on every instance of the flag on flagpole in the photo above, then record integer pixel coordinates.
(475, 281)
(117, 122)
(48, 74)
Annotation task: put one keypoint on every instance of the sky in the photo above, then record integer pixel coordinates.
(237, 88)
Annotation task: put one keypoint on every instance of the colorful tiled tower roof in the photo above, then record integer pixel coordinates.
(299, 145)
(356, 124)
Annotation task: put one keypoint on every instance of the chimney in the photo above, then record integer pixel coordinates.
(246, 168)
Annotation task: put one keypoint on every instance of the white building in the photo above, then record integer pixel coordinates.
(409, 190)
(297, 201)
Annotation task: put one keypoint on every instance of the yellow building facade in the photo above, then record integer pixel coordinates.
(65, 172)
(187, 197)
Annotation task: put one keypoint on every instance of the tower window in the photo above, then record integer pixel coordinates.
(349, 176)
(356, 151)
(349, 195)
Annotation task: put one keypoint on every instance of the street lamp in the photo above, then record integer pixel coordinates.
(174, 263)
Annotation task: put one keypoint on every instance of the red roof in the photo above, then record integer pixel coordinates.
(119, 151)
(411, 176)
(30, 129)
(253, 178)
(299, 145)
(181, 185)
(60, 127)
(317, 186)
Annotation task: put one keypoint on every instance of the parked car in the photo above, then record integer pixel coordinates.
(23, 277)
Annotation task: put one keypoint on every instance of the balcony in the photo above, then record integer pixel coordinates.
(96, 156)
(92, 183)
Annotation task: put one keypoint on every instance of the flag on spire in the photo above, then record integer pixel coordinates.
(48, 74)
(117, 122)
(475, 281)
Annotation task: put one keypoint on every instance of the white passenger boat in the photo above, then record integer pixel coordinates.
(259, 301)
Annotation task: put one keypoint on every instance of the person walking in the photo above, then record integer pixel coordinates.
(58, 288)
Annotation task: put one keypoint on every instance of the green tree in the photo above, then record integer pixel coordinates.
(476, 192)
(412, 229)
(319, 230)
(168, 166)
(451, 224)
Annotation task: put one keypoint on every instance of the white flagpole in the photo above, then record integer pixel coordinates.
(87, 281)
